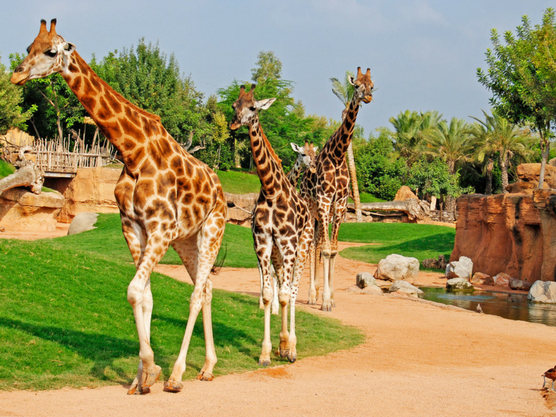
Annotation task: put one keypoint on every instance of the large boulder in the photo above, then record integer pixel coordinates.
(479, 278)
(459, 284)
(463, 268)
(405, 288)
(25, 211)
(364, 279)
(502, 280)
(518, 284)
(404, 193)
(83, 222)
(431, 263)
(397, 267)
(542, 292)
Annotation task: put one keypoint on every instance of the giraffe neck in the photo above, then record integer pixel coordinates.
(295, 172)
(341, 139)
(125, 125)
(269, 168)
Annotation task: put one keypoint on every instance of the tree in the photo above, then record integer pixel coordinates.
(344, 91)
(11, 113)
(450, 142)
(411, 129)
(522, 78)
(268, 67)
(496, 135)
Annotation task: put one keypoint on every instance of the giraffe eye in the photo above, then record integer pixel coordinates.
(51, 53)
(252, 108)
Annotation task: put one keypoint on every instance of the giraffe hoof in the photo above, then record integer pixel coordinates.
(264, 362)
(284, 353)
(173, 386)
(326, 306)
(205, 376)
(292, 358)
(133, 388)
(150, 379)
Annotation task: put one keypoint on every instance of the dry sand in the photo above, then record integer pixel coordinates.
(419, 359)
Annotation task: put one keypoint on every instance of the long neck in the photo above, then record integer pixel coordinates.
(295, 172)
(269, 168)
(341, 139)
(125, 125)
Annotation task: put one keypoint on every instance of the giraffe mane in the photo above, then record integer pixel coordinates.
(271, 150)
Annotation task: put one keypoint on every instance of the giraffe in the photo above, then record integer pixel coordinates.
(306, 155)
(282, 226)
(165, 197)
(327, 190)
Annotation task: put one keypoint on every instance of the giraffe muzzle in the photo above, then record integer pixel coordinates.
(19, 76)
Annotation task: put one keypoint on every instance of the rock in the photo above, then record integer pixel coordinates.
(518, 284)
(459, 284)
(371, 289)
(22, 210)
(502, 280)
(397, 267)
(531, 172)
(405, 288)
(542, 292)
(463, 268)
(508, 233)
(481, 279)
(91, 190)
(240, 207)
(83, 222)
(364, 279)
(404, 193)
(383, 284)
(432, 263)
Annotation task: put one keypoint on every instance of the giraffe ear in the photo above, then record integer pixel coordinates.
(295, 147)
(69, 47)
(264, 104)
(351, 80)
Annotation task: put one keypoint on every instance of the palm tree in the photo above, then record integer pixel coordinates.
(411, 129)
(344, 91)
(497, 135)
(451, 142)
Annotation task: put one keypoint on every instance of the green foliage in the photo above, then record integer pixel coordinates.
(268, 66)
(78, 330)
(11, 112)
(415, 240)
(379, 169)
(433, 178)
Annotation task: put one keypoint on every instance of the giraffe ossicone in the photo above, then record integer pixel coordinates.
(165, 196)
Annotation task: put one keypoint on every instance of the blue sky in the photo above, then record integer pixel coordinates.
(423, 54)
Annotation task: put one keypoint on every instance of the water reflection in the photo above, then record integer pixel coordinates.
(509, 306)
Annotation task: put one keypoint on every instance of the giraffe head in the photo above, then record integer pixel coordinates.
(49, 53)
(363, 85)
(306, 155)
(246, 108)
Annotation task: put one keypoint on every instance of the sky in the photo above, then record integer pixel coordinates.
(423, 55)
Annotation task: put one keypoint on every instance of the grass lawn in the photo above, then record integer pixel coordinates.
(6, 169)
(421, 241)
(237, 182)
(65, 319)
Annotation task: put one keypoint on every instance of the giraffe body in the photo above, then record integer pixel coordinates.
(165, 196)
(327, 191)
(282, 227)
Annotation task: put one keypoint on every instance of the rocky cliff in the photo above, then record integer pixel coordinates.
(511, 233)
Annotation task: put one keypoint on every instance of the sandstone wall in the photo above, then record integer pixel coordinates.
(511, 233)
(91, 190)
(26, 211)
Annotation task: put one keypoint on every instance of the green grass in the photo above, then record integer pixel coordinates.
(237, 182)
(65, 319)
(6, 169)
(421, 241)
(367, 198)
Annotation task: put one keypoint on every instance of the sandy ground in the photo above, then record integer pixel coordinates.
(419, 359)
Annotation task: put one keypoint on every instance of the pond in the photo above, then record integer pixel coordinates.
(509, 306)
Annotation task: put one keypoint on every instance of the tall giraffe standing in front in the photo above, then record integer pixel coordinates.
(327, 190)
(165, 196)
(282, 226)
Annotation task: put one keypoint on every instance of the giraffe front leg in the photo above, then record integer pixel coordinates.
(210, 358)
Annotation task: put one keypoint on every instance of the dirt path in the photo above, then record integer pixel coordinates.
(419, 359)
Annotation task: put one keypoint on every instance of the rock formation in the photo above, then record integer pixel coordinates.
(22, 210)
(511, 233)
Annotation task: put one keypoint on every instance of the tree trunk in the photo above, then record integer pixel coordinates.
(504, 169)
(414, 208)
(489, 169)
(354, 185)
(545, 150)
